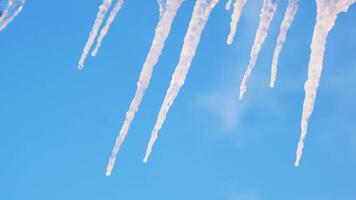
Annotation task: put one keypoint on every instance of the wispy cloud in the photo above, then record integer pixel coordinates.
(246, 195)
(231, 115)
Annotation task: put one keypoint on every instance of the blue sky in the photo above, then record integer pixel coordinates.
(58, 124)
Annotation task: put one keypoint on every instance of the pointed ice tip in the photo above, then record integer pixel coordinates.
(271, 85)
(145, 159)
(229, 41)
(80, 66)
(242, 90)
(241, 96)
(108, 173)
(296, 164)
(93, 53)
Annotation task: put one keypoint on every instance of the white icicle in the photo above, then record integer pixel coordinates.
(200, 16)
(327, 11)
(235, 17)
(5, 19)
(286, 23)
(267, 13)
(228, 4)
(161, 33)
(103, 8)
(107, 25)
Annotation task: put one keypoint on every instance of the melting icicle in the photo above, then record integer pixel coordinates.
(267, 13)
(107, 25)
(286, 23)
(235, 17)
(228, 4)
(200, 16)
(12, 9)
(327, 11)
(161, 33)
(103, 8)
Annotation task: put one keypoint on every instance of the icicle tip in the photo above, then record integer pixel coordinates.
(80, 66)
(145, 160)
(271, 85)
(107, 173)
(229, 41)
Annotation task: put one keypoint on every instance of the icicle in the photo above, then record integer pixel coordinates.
(103, 8)
(162, 31)
(107, 25)
(327, 12)
(286, 23)
(228, 4)
(235, 17)
(267, 13)
(6, 19)
(200, 16)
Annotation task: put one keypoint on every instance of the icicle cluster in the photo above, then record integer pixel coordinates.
(168, 11)
(200, 16)
(267, 12)
(103, 9)
(327, 11)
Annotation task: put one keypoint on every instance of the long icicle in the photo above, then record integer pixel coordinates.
(286, 23)
(228, 4)
(327, 12)
(235, 17)
(4, 19)
(200, 16)
(267, 13)
(161, 33)
(103, 8)
(107, 25)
